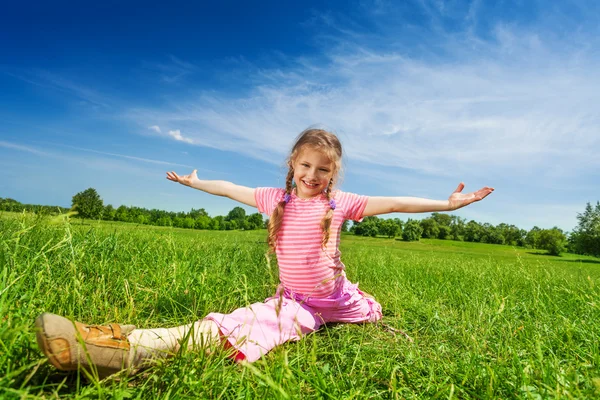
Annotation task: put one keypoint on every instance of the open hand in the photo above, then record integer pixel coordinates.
(458, 199)
(186, 180)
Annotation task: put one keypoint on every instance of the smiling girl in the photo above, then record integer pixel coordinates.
(304, 232)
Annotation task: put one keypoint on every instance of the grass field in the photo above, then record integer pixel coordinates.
(487, 321)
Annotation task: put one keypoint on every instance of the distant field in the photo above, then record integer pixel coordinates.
(487, 321)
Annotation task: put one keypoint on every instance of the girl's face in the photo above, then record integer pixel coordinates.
(313, 171)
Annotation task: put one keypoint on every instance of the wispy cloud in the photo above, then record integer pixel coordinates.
(172, 71)
(53, 81)
(176, 134)
(519, 104)
(155, 128)
(33, 150)
(141, 159)
(19, 147)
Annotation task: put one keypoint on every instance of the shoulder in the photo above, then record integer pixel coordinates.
(270, 190)
(340, 195)
(267, 198)
(352, 205)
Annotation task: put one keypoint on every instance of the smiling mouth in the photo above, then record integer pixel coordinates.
(310, 185)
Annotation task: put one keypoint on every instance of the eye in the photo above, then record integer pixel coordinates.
(323, 170)
(304, 165)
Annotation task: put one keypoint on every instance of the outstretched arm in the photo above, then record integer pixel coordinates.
(385, 205)
(235, 192)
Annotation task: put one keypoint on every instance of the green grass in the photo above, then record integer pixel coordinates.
(487, 321)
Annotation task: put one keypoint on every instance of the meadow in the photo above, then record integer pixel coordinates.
(487, 321)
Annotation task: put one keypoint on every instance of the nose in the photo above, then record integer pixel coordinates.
(312, 173)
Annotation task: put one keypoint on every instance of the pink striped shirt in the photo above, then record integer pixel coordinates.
(304, 267)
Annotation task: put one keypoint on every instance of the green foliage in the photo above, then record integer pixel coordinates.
(457, 226)
(237, 214)
(552, 240)
(444, 232)
(88, 204)
(430, 229)
(255, 221)
(368, 227)
(532, 238)
(585, 238)
(472, 232)
(491, 234)
(389, 228)
(411, 231)
(442, 219)
(12, 205)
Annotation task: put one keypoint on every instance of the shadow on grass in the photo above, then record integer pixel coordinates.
(559, 258)
(583, 261)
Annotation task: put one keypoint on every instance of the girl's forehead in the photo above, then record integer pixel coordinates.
(314, 154)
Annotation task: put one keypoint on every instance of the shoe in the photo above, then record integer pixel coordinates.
(72, 345)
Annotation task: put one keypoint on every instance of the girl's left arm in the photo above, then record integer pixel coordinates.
(385, 205)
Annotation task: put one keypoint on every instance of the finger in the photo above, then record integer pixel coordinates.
(486, 192)
(460, 187)
(483, 192)
(173, 176)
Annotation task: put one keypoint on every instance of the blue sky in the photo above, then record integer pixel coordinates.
(423, 94)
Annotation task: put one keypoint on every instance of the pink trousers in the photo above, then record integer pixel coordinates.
(254, 330)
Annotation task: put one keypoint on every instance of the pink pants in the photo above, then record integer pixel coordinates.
(287, 316)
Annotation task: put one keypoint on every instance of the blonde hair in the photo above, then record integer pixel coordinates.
(328, 144)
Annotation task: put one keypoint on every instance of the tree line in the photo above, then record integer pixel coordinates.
(89, 205)
(584, 239)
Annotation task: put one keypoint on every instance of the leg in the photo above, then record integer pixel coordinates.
(72, 345)
(109, 349)
(151, 344)
(349, 304)
(255, 330)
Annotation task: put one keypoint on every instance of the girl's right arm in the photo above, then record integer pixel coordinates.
(235, 192)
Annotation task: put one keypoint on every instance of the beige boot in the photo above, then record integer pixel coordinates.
(72, 345)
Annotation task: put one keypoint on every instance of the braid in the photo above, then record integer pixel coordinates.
(277, 216)
(326, 221)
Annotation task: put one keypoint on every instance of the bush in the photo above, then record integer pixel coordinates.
(412, 231)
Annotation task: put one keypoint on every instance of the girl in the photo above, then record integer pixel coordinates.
(304, 232)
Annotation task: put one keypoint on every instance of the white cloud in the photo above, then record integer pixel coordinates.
(176, 134)
(19, 147)
(155, 128)
(515, 103)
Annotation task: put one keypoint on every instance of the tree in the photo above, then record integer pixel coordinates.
(472, 231)
(122, 214)
(457, 227)
(88, 204)
(237, 214)
(109, 213)
(445, 232)
(255, 221)
(442, 219)
(389, 228)
(430, 228)
(368, 227)
(412, 231)
(491, 234)
(585, 238)
(195, 214)
(532, 237)
(552, 240)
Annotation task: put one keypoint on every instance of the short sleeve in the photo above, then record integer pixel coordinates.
(352, 205)
(267, 199)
